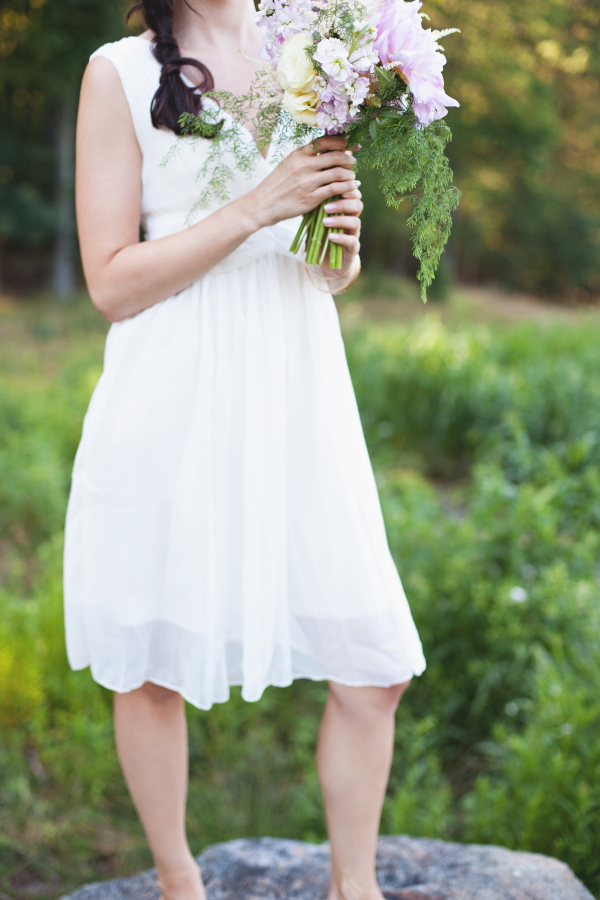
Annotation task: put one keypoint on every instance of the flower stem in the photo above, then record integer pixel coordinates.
(336, 252)
(317, 238)
(313, 246)
(296, 243)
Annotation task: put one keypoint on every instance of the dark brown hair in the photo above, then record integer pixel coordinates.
(173, 96)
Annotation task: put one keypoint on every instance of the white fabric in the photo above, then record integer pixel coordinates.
(224, 525)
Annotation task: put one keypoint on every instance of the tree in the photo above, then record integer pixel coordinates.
(44, 47)
(526, 148)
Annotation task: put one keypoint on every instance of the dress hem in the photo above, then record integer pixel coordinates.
(253, 699)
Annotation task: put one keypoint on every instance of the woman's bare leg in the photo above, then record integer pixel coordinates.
(151, 736)
(354, 756)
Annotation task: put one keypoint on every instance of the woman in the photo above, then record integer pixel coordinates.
(224, 525)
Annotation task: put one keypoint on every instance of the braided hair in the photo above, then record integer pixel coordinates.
(173, 96)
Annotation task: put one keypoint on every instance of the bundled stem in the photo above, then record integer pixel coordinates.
(317, 236)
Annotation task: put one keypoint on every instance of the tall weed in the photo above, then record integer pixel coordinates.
(486, 446)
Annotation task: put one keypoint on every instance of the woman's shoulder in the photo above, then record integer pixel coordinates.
(136, 67)
(126, 67)
(133, 49)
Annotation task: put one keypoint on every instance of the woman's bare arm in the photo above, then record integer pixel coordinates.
(124, 275)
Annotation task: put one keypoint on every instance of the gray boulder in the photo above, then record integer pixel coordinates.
(408, 869)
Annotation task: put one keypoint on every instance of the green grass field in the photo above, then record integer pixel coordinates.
(483, 421)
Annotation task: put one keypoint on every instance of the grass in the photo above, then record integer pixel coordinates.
(482, 417)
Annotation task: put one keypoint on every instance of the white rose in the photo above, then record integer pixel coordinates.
(302, 106)
(295, 70)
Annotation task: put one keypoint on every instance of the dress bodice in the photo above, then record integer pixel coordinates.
(170, 189)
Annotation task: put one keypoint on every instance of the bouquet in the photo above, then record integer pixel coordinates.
(367, 69)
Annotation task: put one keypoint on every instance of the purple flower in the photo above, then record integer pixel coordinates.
(403, 44)
(281, 20)
(332, 116)
(360, 90)
(339, 100)
(330, 90)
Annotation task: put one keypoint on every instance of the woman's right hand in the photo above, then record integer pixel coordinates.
(304, 179)
(126, 275)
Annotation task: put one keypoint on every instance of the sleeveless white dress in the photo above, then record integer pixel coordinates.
(224, 526)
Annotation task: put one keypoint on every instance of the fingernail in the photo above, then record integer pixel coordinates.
(357, 183)
(329, 220)
(329, 207)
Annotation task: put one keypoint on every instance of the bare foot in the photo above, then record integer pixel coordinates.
(349, 890)
(182, 885)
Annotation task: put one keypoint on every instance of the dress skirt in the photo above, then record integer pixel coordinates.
(224, 525)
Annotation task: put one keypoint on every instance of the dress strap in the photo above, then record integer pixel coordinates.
(139, 73)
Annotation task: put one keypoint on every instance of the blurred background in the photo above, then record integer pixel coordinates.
(525, 150)
(482, 416)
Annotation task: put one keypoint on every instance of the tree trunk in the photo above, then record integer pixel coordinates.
(63, 270)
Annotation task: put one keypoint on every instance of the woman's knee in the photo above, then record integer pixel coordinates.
(367, 701)
(158, 695)
(397, 691)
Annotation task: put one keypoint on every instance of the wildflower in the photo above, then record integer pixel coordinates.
(404, 45)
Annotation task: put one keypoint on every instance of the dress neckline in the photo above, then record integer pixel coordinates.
(265, 158)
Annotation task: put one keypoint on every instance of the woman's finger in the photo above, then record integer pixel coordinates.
(348, 241)
(330, 190)
(337, 174)
(333, 158)
(351, 223)
(328, 142)
(352, 195)
(323, 144)
(349, 207)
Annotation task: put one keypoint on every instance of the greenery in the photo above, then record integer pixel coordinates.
(409, 160)
(44, 47)
(524, 151)
(486, 446)
(411, 166)
(524, 154)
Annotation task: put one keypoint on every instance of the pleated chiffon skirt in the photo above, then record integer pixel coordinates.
(224, 525)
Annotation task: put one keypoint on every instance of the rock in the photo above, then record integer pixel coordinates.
(408, 869)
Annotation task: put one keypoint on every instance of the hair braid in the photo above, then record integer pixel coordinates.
(173, 96)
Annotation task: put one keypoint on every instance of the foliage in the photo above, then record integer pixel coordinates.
(232, 149)
(44, 47)
(411, 165)
(543, 786)
(524, 154)
(486, 450)
(449, 396)
(524, 151)
(409, 159)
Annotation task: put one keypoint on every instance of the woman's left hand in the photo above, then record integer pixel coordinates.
(348, 210)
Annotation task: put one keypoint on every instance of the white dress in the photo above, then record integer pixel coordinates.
(224, 526)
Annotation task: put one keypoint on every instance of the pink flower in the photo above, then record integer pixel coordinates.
(402, 43)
